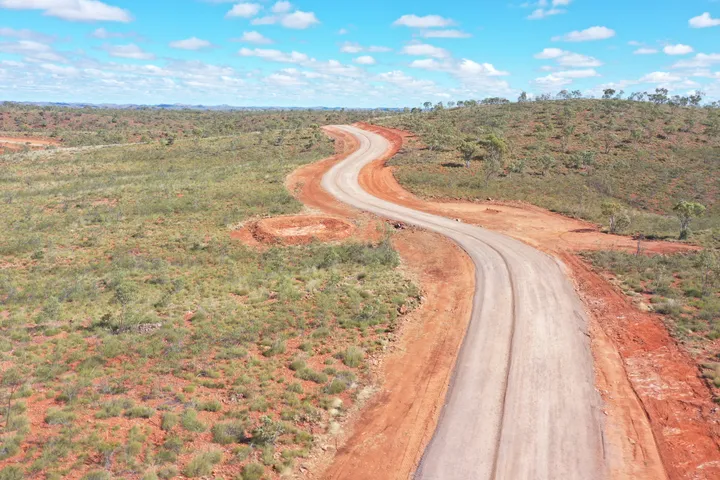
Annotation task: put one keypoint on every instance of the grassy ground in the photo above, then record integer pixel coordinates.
(570, 156)
(139, 341)
(93, 126)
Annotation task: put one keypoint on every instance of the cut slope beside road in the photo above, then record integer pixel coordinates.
(522, 403)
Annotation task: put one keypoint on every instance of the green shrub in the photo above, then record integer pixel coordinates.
(336, 386)
(210, 406)
(191, 423)
(140, 411)
(229, 432)
(202, 464)
(169, 420)
(97, 475)
(353, 357)
(311, 375)
(252, 471)
(56, 416)
(12, 473)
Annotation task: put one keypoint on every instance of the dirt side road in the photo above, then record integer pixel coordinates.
(522, 403)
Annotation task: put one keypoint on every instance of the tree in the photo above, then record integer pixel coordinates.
(608, 93)
(12, 380)
(686, 211)
(659, 97)
(523, 97)
(468, 149)
(427, 105)
(547, 162)
(616, 215)
(495, 148)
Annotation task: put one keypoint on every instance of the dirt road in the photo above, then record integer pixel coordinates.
(522, 403)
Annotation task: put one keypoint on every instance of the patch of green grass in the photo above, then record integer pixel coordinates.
(202, 464)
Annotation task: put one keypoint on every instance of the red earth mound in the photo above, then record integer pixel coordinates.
(294, 230)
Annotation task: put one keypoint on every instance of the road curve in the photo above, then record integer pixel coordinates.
(522, 403)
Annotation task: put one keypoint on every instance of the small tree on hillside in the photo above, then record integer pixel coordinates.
(495, 148)
(686, 211)
(547, 163)
(616, 215)
(608, 93)
(468, 149)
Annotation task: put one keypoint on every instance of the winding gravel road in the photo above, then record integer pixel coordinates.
(522, 403)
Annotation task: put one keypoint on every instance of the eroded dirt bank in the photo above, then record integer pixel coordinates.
(660, 418)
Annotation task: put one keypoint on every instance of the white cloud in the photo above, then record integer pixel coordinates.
(343, 31)
(274, 55)
(32, 50)
(282, 7)
(428, 21)
(425, 50)
(445, 34)
(299, 20)
(540, 13)
(463, 69)
(59, 70)
(568, 59)
(74, 10)
(566, 77)
(192, 43)
(244, 10)
(254, 37)
(128, 51)
(701, 60)
(645, 51)
(704, 21)
(659, 77)
(351, 47)
(285, 80)
(26, 34)
(678, 49)
(587, 35)
(548, 53)
(426, 64)
(545, 8)
(365, 60)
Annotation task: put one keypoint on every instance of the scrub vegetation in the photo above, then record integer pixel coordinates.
(138, 340)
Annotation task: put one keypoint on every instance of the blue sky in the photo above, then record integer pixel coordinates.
(364, 54)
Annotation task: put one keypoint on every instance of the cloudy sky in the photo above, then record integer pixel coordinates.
(354, 54)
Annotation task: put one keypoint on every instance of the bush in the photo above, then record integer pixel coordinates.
(140, 411)
(311, 375)
(202, 464)
(12, 473)
(336, 386)
(252, 471)
(191, 423)
(55, 416)
(229, 432)
(97, 475)
(353, 357)
(169, 420)
(210, 406)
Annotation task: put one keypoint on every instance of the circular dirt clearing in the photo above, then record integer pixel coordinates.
(302, 229)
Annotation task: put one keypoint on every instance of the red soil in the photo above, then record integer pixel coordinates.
(301, 229)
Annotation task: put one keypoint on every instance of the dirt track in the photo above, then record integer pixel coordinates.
(523, 402)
